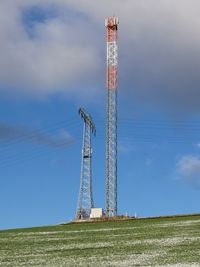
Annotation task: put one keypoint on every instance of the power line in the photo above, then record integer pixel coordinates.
(29, 156)
(132, 136)
(16, 156)
(34, 133)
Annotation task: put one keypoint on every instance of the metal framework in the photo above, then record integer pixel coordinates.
(111, 24)
(85, 199)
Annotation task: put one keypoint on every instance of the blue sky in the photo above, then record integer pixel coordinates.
(53, 62)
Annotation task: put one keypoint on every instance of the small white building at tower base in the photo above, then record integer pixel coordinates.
(96, 213)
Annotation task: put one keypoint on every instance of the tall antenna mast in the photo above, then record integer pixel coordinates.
(85, 199)
(111, 24)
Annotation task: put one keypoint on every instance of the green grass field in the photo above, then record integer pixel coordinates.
(142, 242)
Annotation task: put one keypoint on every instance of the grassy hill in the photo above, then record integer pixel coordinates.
(171, 241)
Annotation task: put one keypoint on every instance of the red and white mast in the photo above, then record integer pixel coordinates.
(111, 24)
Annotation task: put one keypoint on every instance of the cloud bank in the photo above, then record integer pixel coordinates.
(41, 50)
(58, 46)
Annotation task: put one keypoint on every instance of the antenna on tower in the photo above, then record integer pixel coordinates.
(111, 24)
(85, 199)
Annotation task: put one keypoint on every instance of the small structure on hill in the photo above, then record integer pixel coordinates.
(96, 213)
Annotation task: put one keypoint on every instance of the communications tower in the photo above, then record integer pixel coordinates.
(85, 199)
(111, 24)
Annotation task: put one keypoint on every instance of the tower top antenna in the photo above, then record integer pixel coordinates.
(112, 21)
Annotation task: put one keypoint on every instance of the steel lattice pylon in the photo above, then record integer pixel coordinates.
(85, 199)
(111, 127)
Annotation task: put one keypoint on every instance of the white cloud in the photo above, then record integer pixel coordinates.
(188, 168)
(57, 58)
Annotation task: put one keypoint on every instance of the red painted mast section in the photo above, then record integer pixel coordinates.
(112, 45)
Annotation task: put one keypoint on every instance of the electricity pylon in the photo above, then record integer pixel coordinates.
(85, 199)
